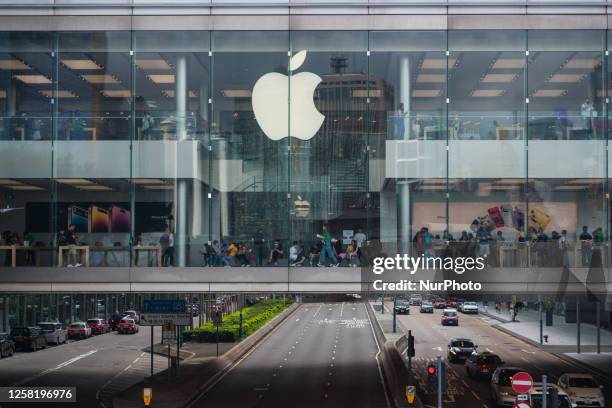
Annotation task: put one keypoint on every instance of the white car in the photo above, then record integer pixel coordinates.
(54, 332)
(582, 389)
(469, 308)
(535, 396)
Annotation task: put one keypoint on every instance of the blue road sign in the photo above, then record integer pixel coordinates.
(170, 306)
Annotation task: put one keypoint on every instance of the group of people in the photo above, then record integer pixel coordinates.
(325, 251)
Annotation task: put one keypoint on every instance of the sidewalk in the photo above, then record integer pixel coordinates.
(562, 337)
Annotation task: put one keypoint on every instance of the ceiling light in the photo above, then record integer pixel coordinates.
(2, 94)
(434, 182)
(487, 93)
(33, 79)
(585, 181)
(162, 78)
(510, 181)
(10, 182)
(25, 187)
(425, 93)
(94, 187)
(236, 93)
(170, 93)
(437, 63)
(365, 93)
(147, 181)
(57, 94)
(100, 79)
(498, 78)
(74, 181)
(13, 64)
(571, 188)
(152, 64)
(159, 187)
(116, 93)
(568, 78)
(79, 64)
(581, 63)
(433, 187)
(549, 93)
(509, 63)
(431, 78)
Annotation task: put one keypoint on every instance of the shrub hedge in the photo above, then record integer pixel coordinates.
(253, 317)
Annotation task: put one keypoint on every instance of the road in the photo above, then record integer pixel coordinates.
(99, 367)
(431, 340)
(324, 355)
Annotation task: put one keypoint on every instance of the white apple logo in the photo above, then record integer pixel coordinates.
(270, 103)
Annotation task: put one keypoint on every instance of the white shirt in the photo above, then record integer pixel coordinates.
(293, 252)
(360, 239)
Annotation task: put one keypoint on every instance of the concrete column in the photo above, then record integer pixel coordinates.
(180, 202)
(404, 206)
(4, 311)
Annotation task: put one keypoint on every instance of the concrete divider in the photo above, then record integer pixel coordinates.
(197, 376)
(395, 373)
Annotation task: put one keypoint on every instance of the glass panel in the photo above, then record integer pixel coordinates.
(408, 140)
(329, 176)
(171, 176)
(26, 89)
(487, 144)
(249, 145)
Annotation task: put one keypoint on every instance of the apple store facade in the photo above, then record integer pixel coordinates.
(164, 137)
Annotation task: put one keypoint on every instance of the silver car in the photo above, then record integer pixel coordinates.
(502, 393)
(54, 332)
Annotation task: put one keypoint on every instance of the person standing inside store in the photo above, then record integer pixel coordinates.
(326, 250)
(360, 239)
(586, 243)
(259, 241)
(71, 241)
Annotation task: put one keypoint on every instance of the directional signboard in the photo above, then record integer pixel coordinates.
(167, 311)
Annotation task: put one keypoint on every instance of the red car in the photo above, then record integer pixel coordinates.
(98, 326)
(482, 364)
(79, 330)
(127, 325)
(439, 304)
(451, 304)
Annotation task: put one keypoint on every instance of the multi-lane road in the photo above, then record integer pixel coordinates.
(98, 367)
(431, 340)
(324, 355)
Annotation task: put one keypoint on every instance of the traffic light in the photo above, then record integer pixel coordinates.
(432, 377)
(410, 349)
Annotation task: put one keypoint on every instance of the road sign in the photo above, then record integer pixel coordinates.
(159, 319)
(522, 404)
(522, 397)
(170, 306)
(169, 333)
(410, 393)
(522, 382)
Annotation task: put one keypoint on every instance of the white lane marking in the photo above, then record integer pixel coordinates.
(528, 352)
(341, 309)
(475, 395)
(317, 312)
(59, 366)
(377, 357)
(437, 348)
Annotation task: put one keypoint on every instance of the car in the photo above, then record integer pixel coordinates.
(426, 307)
(459, 349)
(469, 308)
(98, 326)
(482, 364)
(133, 314)
(127, 326)
(451, 304)
(459, 303)
(416, 300)
(439, 304)
(7, 345)
(502, 393)
(79, 330)
(582, 390)
(450, 316)
(114, 321)
(402, 307)
(54, 332)
(535, 396)
(30, 338)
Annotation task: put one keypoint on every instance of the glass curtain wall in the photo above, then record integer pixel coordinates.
(408, 173)
(329, 166)
(486, 114)
(250, 157)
